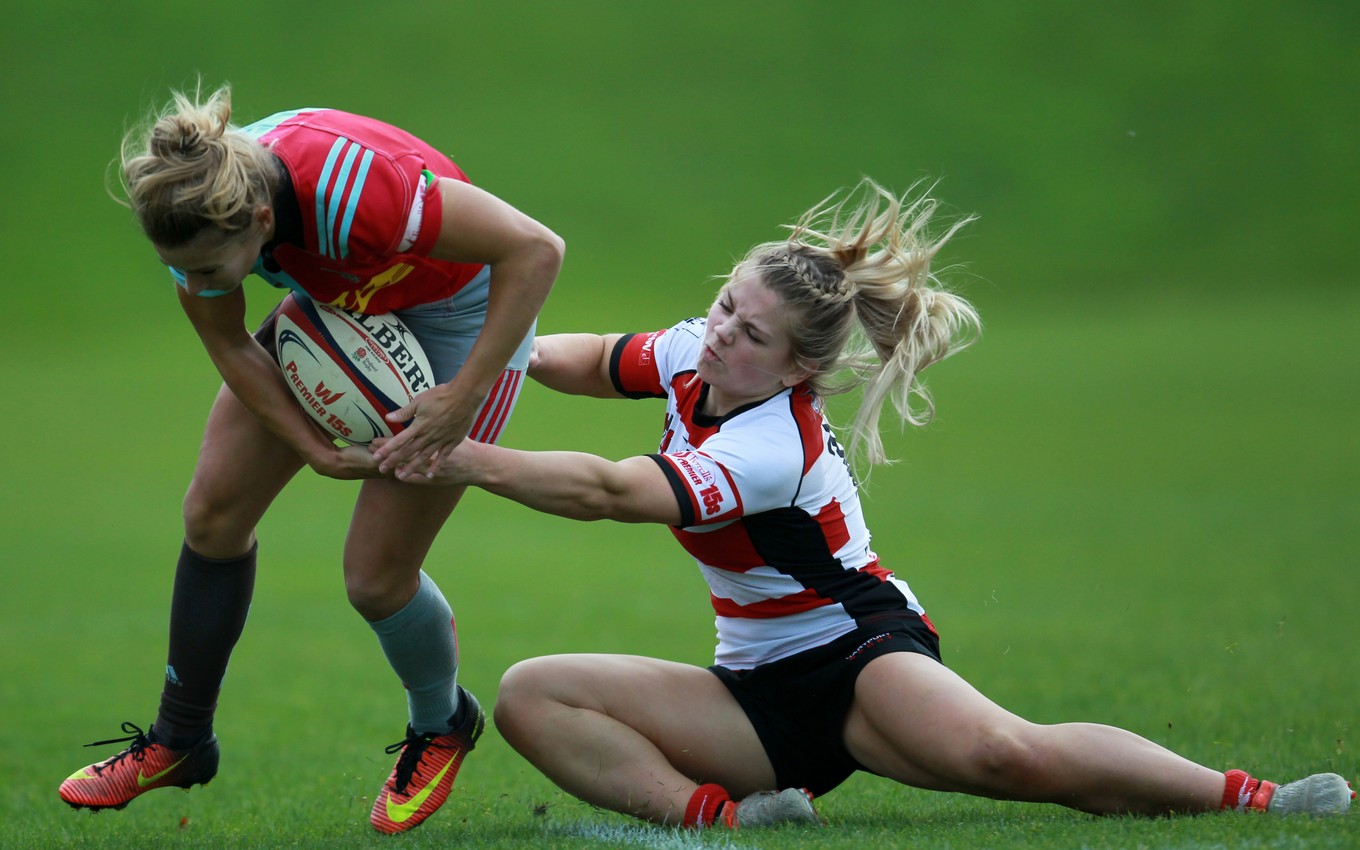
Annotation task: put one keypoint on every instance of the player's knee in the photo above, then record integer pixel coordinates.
(209, 527)
(524, 689)
(529, 691)
(1003, 758)
(376, 594)
(527, 680)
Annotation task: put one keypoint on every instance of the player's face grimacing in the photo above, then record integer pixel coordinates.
(215, 262)
(747, 355)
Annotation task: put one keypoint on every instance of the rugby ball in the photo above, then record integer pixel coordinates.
(349, 370)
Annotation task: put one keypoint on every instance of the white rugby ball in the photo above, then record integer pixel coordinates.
(349, 370)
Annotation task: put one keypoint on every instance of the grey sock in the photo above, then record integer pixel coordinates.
(421, 645)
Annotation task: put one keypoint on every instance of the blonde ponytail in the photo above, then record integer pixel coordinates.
(865, 308)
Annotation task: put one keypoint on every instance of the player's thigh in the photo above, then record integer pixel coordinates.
(917, 721)
(683, 710)
(393, 527)
(241, 468)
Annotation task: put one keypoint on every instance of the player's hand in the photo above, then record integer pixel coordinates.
(453, 467)
(440, 419)
(348, 463)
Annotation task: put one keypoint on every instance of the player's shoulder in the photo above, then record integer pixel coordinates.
(677, 347)
(281, 123)
(356, 179)
(692, 327)
(679, 342)
(330, 142)
(316, 124)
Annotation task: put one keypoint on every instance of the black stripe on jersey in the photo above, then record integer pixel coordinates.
(791, 541)
(806, 461)
(614, 357)
(682, 496)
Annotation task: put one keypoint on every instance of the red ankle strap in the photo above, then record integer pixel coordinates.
(705, 806)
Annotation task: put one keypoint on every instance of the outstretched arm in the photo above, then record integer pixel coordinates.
(569, 484)
(575, 364)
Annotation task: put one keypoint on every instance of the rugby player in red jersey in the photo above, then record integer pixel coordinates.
(353, 212)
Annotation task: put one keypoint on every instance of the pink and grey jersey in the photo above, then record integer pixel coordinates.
(370, 211)
(769, 507)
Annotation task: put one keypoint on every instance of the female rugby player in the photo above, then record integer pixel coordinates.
(360, 214)
(826, 662)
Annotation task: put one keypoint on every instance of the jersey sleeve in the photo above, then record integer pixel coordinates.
(732, 475)
(633, 367)
(425, 218)
(643, 365)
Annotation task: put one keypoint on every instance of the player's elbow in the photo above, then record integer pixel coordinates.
(543, 251)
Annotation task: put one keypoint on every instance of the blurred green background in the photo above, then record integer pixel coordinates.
(1138, 504)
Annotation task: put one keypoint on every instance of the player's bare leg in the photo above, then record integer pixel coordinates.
(241, 469)
(392, 529)
(634, 735)
(918, 722)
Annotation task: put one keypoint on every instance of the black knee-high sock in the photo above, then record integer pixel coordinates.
(207, 613)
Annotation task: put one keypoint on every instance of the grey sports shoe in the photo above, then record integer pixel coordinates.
(771, 808)
(1321, 794)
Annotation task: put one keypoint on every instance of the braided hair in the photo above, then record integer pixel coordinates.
(189, 169)
(864, 308)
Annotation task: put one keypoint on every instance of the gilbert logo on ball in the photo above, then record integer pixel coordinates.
(349, 370)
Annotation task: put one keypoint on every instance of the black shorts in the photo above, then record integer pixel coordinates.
(798, 704)
(264, 334)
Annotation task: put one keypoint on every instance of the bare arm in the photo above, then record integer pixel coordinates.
(255, 379)
(524, 257)
(575, 485)
(569, 484)
(575, 364)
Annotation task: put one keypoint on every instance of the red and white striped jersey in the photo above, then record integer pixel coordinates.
(769, 507)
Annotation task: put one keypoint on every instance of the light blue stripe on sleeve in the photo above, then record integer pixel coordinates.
(354, 202)
(323, 240)
(337, 194)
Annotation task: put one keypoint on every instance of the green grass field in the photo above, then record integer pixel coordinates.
(1137, 505)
